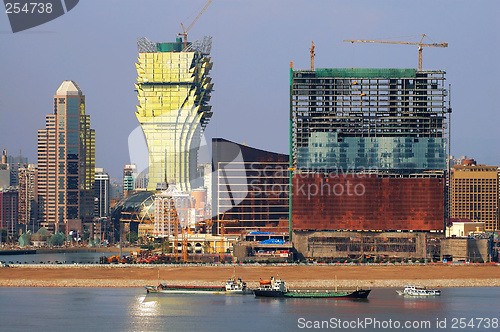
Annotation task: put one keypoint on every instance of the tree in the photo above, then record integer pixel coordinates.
(132, 237)
(25, 239)
(57, 239)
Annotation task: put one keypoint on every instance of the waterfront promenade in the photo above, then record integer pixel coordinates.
(314, 275)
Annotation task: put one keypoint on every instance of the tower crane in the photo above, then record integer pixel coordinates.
(185, 31)
(312, 55)
(420, 45)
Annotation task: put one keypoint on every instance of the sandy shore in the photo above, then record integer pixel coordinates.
(482, 275)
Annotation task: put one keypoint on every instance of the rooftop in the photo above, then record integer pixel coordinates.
(69, 88)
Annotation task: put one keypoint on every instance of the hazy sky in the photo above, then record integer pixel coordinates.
(253, 43)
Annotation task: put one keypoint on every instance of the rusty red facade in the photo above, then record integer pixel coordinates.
(367, 202)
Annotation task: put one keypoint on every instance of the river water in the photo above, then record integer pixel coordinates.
(130, 309)
(54, 258)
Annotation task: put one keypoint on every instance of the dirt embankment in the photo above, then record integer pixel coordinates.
(296, 276)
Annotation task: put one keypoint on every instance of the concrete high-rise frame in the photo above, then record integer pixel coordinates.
(382, 131)
(173, 88)
(66, 160)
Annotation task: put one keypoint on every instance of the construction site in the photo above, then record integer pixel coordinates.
(366, 175)
(368, 160)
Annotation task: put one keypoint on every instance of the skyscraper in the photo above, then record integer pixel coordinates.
(101, 193)
(66, 160)
(173, 88)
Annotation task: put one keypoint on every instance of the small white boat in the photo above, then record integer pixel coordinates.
(419, 291)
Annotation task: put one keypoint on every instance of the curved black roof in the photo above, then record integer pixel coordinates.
(134, 203)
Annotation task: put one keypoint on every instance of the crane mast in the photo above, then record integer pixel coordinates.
(312, 55)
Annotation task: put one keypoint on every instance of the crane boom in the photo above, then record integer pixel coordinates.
(420, 45)
(185, 31)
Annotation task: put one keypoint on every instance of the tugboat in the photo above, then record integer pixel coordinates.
(419, 291)
(277, 288)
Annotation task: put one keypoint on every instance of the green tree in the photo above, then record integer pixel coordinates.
(132, 237)
(57, 239)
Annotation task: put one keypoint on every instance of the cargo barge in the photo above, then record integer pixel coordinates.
(233, 286)
(277, 288)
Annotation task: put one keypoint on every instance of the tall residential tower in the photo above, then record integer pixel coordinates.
(66, 160)
(173, 88)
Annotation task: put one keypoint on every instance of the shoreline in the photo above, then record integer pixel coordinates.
(35, 251)
(299, 276)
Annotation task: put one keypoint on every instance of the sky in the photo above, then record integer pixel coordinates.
(254, 42)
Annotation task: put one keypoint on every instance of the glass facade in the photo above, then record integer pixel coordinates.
(328, 152)
(250, 188)
(66, 159)
(368, 118)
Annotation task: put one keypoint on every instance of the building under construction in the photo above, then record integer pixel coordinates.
(370, 119)
(173, 88)
(368, 161)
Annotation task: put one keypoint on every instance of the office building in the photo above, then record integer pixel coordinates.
(474, 194)
(16, 162)
(9, 202)
(102, 191)
(173, 89)
(66, 161)
(129, 177)
(249, 189)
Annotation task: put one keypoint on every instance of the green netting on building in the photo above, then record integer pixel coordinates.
(169, 47)
(366, 72)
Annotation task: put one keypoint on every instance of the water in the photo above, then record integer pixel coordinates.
(65, 258)
(130, 309)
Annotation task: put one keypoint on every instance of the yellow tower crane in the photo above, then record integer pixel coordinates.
(185, 31)
(312, 55)
(420, 45)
